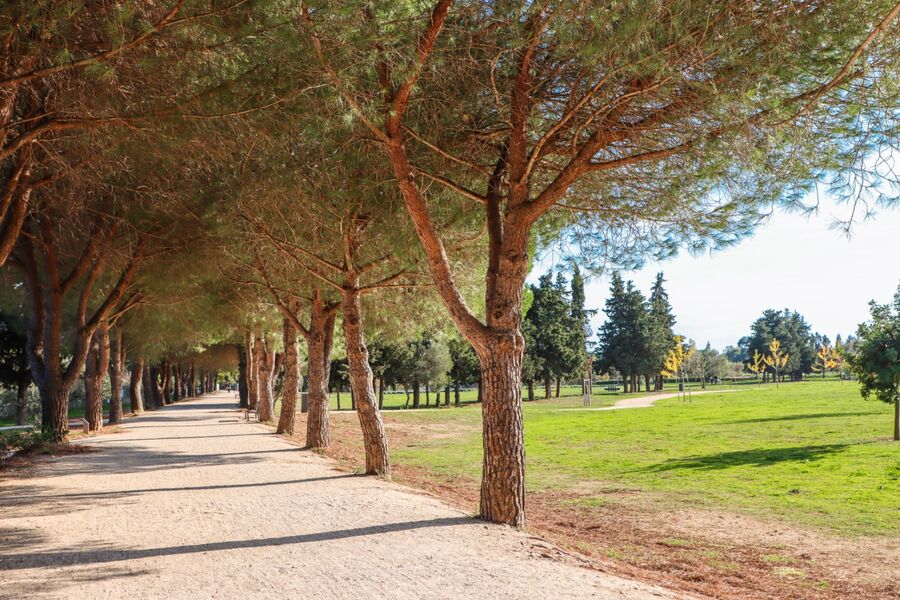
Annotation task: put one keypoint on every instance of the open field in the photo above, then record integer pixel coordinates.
(392, 400)
(805, 470)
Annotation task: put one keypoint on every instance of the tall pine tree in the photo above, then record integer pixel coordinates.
(661, 335)
(623, 338)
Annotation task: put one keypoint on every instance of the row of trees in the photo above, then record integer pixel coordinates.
(800, 350)
(304, 164)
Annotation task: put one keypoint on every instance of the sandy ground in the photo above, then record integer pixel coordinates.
(192, 502)
(644, 401)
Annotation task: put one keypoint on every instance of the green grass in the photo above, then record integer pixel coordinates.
(75, 412)
(811, 453)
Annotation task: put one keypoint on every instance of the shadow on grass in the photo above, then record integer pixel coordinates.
(755, 458)
(803, 417)
(25, 560)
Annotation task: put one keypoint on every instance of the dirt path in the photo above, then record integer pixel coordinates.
(644, 401)
(191, 502)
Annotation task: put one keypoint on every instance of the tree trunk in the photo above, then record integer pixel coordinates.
(427, 396)
(547, 385)
(291, 379)
(57, 402)
(530, 390)
(243, 389)
(21, 399)
(166, 383)
(145, 388)
(374, 438)
(116, 376)
(156, 388)
(897, 419)
(96, 367)
(558, 381)
(265, 359)
(318, 343)
(456, 399)
(503, 479)
(135, 389)
(338, 387)
(380, 393)
(447, 395)
(646, 383)
(480, 397)
(176, 387)
(416, 395)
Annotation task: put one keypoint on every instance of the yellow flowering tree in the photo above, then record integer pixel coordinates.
(758, 364)
(827, 359)
(676, 359)
(776, 358)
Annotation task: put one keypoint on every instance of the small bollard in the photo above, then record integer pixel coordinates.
(85, 426)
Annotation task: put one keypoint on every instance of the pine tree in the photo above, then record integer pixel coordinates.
(661, 323)
(623, 338)
(554, 343)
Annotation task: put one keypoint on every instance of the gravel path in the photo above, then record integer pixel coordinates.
(645, 401)
(191, 502)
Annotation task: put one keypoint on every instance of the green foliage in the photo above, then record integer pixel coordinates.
(18, 441)
(624, 337)
(14, 366)
(794, 334)
(876, 360)
(555, 332)
(465, 368)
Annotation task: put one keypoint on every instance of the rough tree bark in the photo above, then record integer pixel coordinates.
(176, 382)
(319, 337)
(135, 387)
(265, 359)
(116, 377)
(243, 390)
(149, 399)
(156, 388)
(166, 373)
(374, 438)
(95, 372)
(252, 380)
(291, 379)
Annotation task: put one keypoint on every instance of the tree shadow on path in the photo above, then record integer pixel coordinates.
(29, 495)
(34, 560)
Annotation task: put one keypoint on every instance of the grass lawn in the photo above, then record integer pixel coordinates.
(811, 453)
(756, 492)
(75, 412)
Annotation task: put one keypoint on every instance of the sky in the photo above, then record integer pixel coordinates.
(793, 262)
